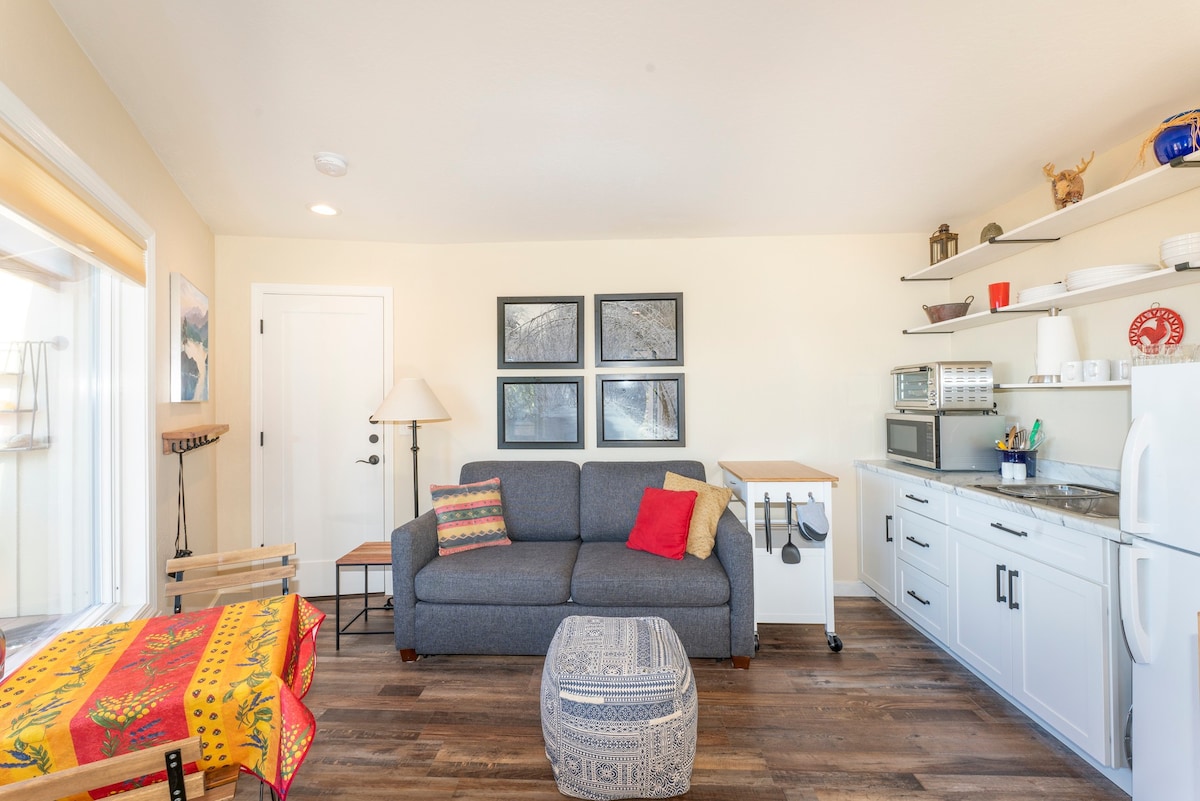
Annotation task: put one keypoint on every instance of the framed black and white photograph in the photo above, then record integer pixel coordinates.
(540, 412)
(539, 332)
(639, 330)
(639, 411)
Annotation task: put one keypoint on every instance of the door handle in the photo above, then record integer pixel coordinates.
(1012, 595)
(373, 459)
(887, 528)
(918, 597)
(1008, 530)
(1000, 596)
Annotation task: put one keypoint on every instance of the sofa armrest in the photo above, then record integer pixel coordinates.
(735, 549)
(414, 545)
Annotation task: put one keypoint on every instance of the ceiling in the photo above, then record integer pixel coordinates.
(488, 121)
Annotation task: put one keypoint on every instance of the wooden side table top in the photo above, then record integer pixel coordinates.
(369, 553)
(775, 471)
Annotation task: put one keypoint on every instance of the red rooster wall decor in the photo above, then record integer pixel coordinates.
(1157, 325)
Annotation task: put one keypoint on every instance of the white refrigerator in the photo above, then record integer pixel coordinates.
(1160, 579)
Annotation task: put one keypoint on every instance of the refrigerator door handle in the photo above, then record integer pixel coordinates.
(1132, 481)
(1133, 602)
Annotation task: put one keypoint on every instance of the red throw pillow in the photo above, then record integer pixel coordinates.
(662, 522)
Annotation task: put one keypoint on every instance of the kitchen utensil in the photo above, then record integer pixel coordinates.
(947, 311)
(814, 525)
(1011, 439)
(767, 519)
(1033, 432)
(1001, 445)
(790, 553)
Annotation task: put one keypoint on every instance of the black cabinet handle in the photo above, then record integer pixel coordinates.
(916, 541)
(918, 597)
(915, 498)
(1000, 596)
(887, 528)
(1008, 530)
(1012, 596)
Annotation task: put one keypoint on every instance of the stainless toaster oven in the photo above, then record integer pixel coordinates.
(943, 387)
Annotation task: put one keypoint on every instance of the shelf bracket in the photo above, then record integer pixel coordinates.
(1006, 310)
(994, 241)
(906, 331)
(1183, 267)
(906, 278)
(1183, 161)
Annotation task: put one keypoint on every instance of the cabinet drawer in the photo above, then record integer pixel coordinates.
(922, 500)
(1081, 554)
(923, 601)
(922, 543)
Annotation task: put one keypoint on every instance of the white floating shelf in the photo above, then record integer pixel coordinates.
(1067, 385)
(1150, 187)
(1136, 285)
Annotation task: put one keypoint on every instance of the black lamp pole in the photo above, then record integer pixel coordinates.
(416, 509)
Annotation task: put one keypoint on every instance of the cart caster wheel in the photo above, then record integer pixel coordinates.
(757, 644)
(835, 642)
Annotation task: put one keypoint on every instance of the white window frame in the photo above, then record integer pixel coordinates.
(127, 483)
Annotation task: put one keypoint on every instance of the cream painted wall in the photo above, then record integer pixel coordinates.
(788, 343)
(41, 63)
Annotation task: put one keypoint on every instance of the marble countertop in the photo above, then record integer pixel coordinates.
(960, 483)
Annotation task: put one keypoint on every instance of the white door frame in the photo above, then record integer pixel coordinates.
(257, 292)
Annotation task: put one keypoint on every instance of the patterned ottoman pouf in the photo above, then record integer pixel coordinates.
(619, 709)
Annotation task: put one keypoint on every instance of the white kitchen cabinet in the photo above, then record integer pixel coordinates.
(1035, 631)
(876, 541)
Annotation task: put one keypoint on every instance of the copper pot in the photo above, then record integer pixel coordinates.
(947, 311)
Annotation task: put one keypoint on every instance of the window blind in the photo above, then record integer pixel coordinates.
(32, 191)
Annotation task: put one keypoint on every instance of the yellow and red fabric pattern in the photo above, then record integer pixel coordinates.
(233, 675)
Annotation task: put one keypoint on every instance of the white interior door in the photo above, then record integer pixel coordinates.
(323, 366)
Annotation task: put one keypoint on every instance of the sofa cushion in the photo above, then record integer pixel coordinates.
(610, 493)
(662, 522)
(609, 574)
(524, 573)
(710, 503)
(469, 516)
(541, 499)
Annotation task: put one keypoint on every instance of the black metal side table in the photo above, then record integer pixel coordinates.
(366, 556)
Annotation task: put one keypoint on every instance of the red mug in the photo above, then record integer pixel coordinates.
(998, 294)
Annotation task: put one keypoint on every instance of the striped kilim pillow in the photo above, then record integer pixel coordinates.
(468, 516)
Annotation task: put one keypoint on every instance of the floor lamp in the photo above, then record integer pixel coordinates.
(411, 401)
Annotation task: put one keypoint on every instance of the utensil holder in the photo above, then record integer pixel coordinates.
(1015, 457)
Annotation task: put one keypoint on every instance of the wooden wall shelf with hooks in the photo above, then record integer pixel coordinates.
(188, 439)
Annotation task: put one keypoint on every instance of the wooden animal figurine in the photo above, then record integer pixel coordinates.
(1067, 185)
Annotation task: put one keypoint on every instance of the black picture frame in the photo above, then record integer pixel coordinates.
(639, 330)
(539, 412)
(540, 332)
(658, 399)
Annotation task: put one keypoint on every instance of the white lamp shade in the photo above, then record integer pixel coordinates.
(411, 399)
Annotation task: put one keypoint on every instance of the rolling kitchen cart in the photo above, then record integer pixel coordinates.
(783, 592)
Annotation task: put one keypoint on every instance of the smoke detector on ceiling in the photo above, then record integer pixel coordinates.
(330, 164)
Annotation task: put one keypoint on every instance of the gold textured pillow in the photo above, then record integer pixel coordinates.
(710, 503)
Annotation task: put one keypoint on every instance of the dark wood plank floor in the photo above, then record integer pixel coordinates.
(890, 717)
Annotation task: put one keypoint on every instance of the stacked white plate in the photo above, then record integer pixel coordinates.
(1182, 249)
(1098, 276)
(1038, 293)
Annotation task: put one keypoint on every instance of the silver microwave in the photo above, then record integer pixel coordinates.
(953, 441)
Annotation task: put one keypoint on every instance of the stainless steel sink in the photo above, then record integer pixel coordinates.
(1076, 498)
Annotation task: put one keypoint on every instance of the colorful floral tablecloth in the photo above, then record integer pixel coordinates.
(232, 675)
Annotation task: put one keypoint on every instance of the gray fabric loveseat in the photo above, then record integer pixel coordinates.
(568, 525)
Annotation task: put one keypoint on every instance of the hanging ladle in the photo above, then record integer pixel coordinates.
(791, 554)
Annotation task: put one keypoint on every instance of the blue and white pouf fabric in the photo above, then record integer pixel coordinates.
(619, 709)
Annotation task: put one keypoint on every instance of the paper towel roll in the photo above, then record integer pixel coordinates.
(1055, 344)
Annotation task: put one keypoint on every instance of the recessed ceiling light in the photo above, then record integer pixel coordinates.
(331, 164)
(323, 209)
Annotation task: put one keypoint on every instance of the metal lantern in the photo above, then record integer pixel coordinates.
(943, 244)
